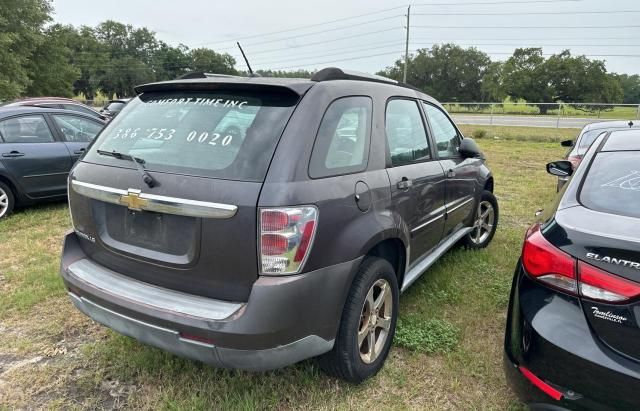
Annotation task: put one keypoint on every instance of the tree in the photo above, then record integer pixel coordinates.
(208, 61)
(49, 69)
(447, 72)
(21, 23)
(492, 88)
(561, 78)
(524, 77)
(630, 87)
(286, 74)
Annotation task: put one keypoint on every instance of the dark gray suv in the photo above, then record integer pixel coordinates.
(255, 222)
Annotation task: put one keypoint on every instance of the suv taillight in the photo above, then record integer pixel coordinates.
(285, 236)
(552, 266)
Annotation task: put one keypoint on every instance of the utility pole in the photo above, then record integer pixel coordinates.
(406, 47)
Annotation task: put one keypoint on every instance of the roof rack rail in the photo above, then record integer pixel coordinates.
(201, 74)
(335, 73)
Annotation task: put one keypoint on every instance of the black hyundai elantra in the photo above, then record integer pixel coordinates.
(573, 328)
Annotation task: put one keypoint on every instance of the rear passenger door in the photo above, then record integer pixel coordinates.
(76, 132)
(36, 160)
(460, 173)
(417, 178)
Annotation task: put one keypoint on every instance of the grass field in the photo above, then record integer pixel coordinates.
(448, 352)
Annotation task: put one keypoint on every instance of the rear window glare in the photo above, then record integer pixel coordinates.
(229, 135)
(612, 184)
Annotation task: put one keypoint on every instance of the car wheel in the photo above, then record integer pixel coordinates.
(368, 324)
(485, 222)
(7, 200)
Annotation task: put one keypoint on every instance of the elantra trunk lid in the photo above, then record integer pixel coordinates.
(168, 192)
(603, 234)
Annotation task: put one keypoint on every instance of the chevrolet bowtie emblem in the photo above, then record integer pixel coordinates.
(132, 200)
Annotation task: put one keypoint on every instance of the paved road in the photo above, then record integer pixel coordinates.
(526, 121)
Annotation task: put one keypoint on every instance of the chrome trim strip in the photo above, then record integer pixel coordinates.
(150, 295)
(421, 226)
(412, 275)
(460, 205)
(157, 203)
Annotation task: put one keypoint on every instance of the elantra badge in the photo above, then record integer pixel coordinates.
(612, 260)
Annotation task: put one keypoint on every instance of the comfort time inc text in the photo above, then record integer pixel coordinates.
(200, 101)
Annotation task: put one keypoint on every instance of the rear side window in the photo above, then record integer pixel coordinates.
(76, 129)
(342, 143)
(612, 184)
(229, 135)
(406, 135)
(26, 129)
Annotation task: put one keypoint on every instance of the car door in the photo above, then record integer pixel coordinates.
(31, 154)
(460, 173)
(417, 178)
(76, 132)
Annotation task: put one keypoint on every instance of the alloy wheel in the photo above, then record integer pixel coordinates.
(375, 321)
(483, 225)
(4, 202)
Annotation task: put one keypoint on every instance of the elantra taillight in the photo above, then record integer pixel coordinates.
(285, 236)
(552, 266)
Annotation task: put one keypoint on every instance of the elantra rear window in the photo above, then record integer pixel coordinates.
(229, 135)
(612, 184)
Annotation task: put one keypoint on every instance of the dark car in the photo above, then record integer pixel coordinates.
(573, 326)
(255, 222)
(587, 136)
(56, 102)
(113, 107)
(38, 147)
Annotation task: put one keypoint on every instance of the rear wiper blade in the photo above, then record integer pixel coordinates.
(139, 162)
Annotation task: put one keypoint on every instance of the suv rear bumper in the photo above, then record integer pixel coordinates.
(286, 319)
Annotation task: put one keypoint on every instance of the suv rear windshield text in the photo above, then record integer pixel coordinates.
(220, 135)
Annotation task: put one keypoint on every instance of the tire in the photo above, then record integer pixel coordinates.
(348, 359)
(487, 206)
(7, 200)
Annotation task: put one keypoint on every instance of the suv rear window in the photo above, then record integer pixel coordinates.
(229, 135)
(612, 184)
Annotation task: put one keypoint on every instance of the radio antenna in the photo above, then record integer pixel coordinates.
(245, 60)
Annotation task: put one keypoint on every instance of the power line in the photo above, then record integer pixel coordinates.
(524, 27)
(305, 27)
(348, 48)
(487, 3)
(318, 32)
(331, 54)
(323, 41)
(528, 13)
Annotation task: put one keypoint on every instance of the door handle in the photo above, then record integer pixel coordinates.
(13, 154)
(82, 150)
(451, 174)
(404, 184)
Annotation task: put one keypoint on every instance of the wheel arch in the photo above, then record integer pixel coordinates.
(395, 252)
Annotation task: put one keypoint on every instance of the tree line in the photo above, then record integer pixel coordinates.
(41, 58)
(451, 73)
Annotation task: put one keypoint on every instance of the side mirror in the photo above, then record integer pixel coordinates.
(566, 143)
(562, 168)
(469, 148)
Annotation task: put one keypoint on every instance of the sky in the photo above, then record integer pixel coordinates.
(287, 35)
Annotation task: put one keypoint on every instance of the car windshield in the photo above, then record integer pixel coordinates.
(612, 184)
(230, 135)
